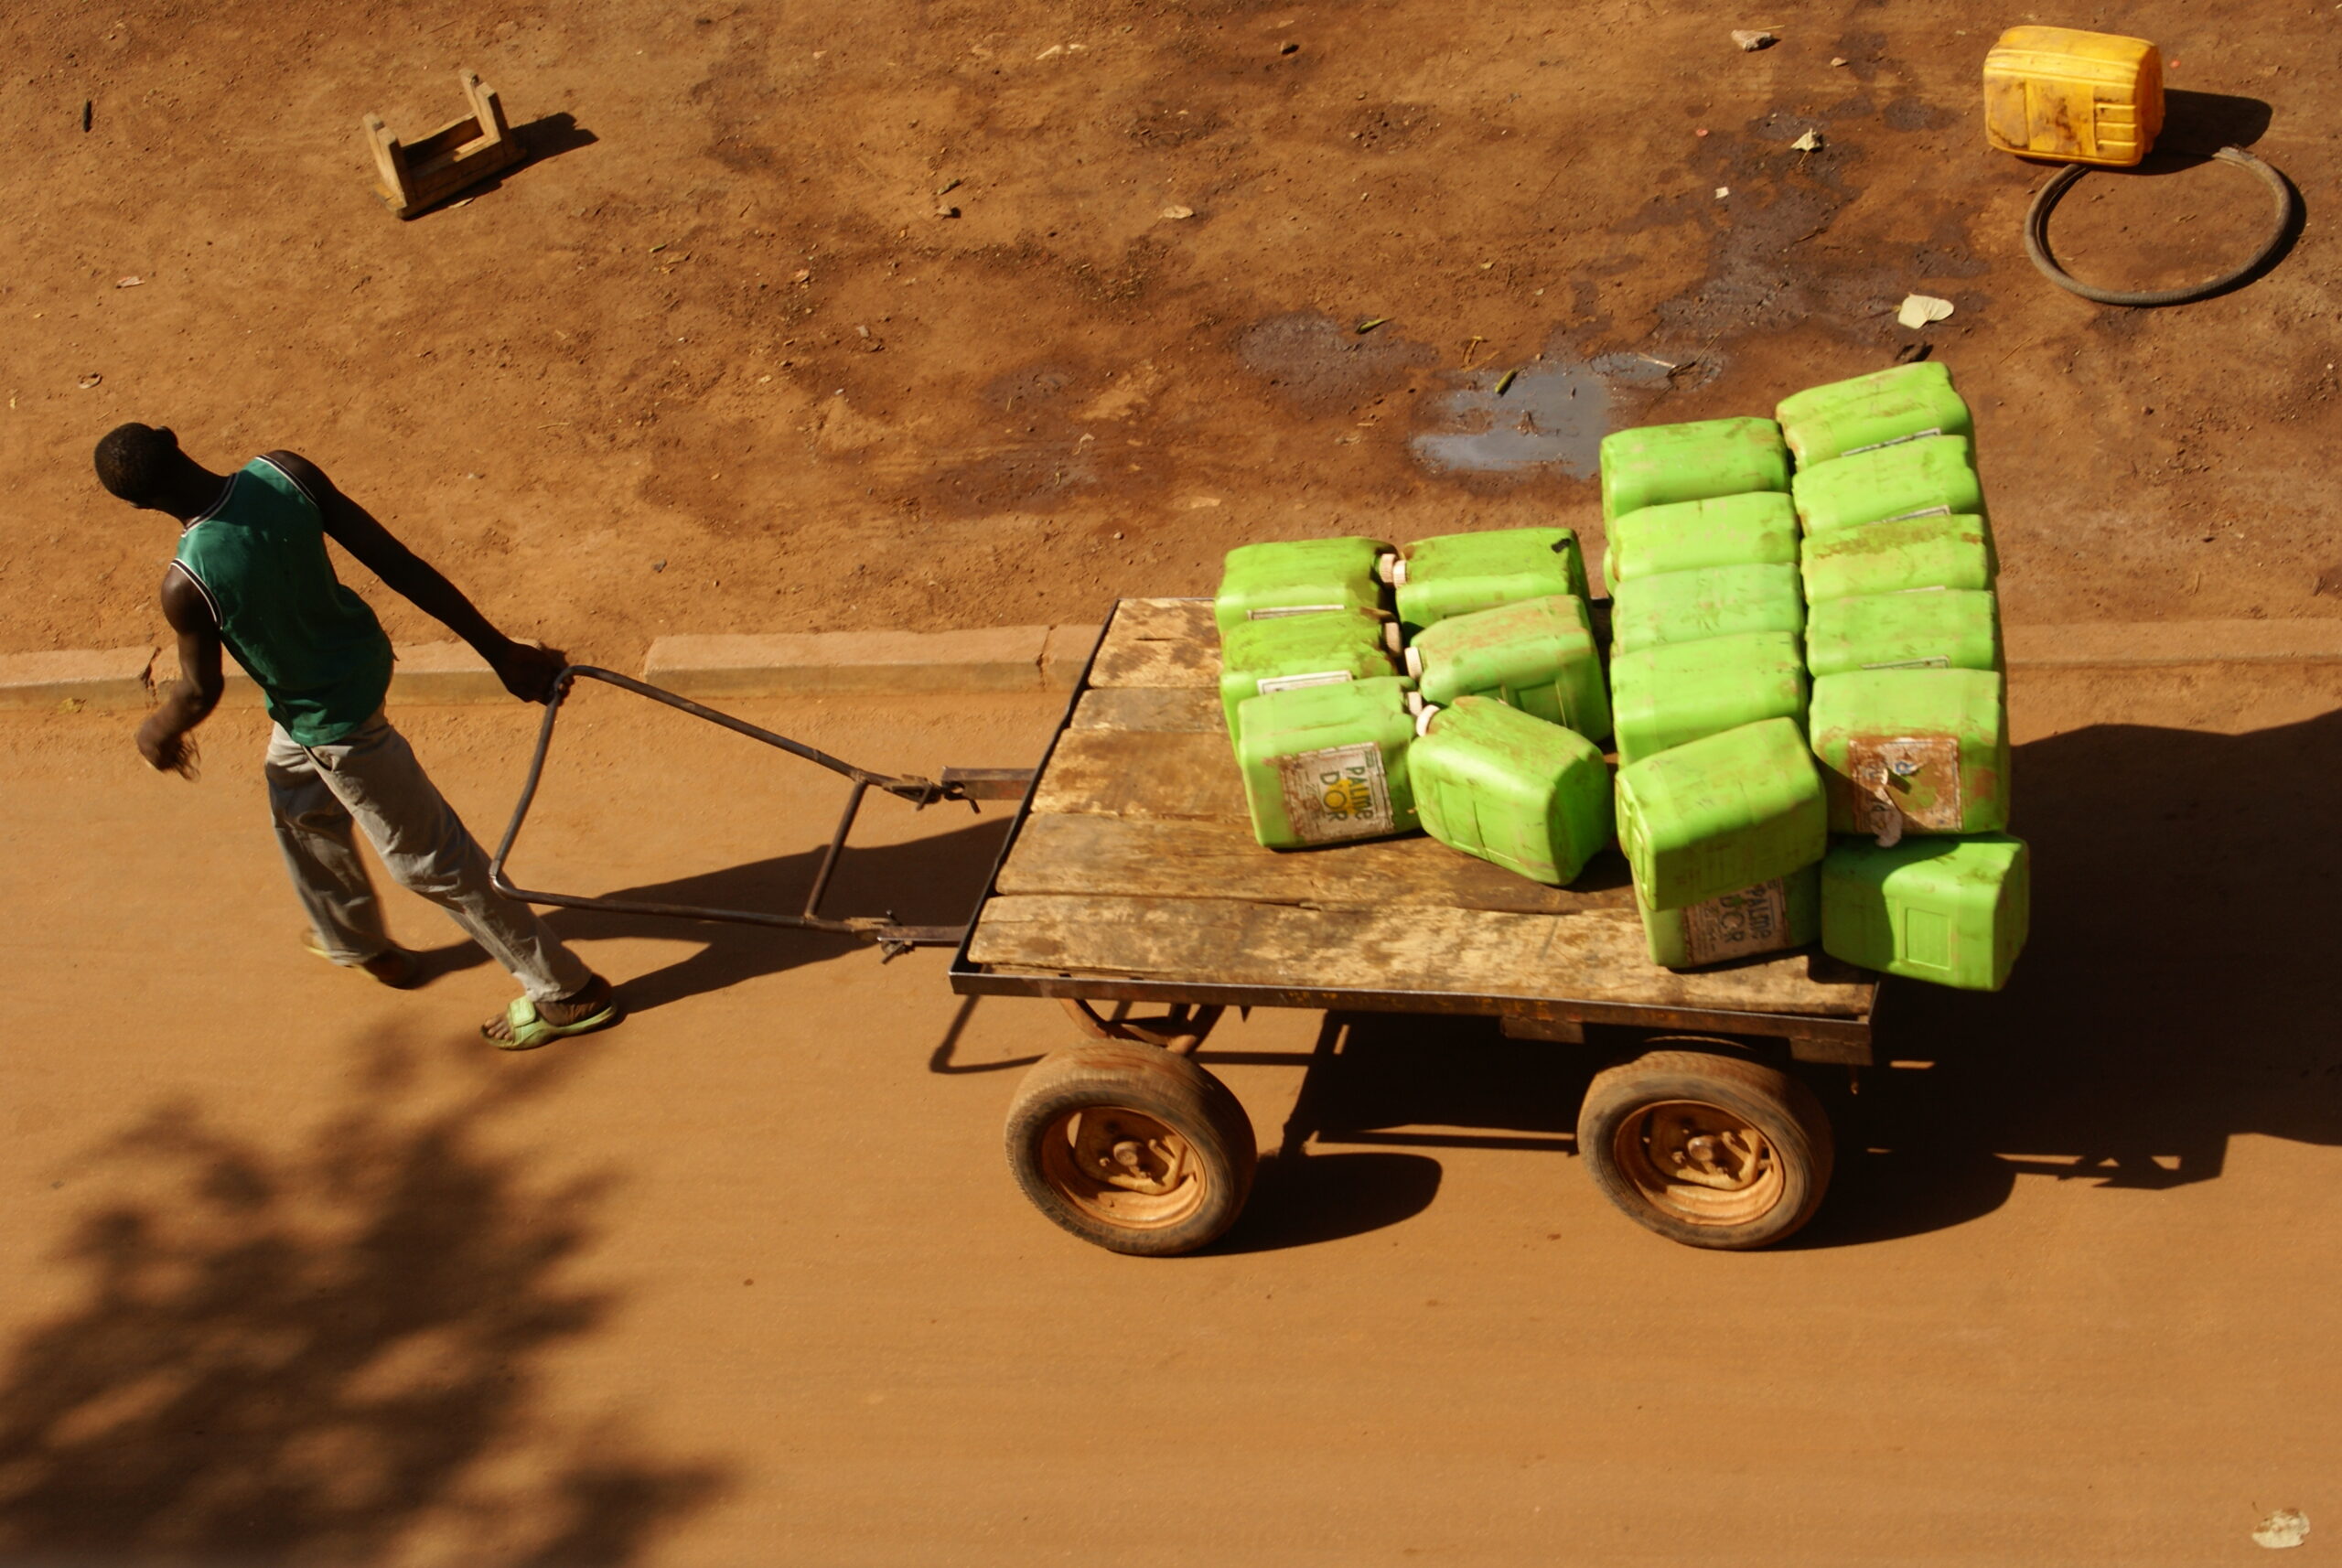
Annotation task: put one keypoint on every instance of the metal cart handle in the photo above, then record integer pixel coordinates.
(969, 784)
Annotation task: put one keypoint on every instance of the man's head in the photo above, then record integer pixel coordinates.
(143, 465)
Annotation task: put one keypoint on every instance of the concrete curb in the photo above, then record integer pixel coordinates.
(1015, 658)
(110, 679)
(2110, 645)
(996, 658)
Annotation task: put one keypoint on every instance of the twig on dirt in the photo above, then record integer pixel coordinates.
(1470, 348)
(1369, 323)
(1504, 382)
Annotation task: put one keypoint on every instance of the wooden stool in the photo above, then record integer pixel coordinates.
(421, 174)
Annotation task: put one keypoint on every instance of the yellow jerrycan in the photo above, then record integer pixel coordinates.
(2072, 96)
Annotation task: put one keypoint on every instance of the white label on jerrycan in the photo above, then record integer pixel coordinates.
(1753, 920)
(1295, 682)
(1337, 793)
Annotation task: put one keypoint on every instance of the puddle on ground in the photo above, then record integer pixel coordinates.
(1554, 414)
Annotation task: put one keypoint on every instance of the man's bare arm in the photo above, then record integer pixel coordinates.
(526, 670)
(162, 739)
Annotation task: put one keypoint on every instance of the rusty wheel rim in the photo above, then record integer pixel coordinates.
(1123, 1168)
(1699, 1163)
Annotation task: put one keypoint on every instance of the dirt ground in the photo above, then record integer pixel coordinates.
(300, 1273)
(717, 358)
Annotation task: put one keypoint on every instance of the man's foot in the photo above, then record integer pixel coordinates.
(393, 966)
(525, 1024)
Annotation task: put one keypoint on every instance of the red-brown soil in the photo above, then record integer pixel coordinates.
(713, 362)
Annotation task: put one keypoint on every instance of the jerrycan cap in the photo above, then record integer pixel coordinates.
(1393, 639)
(1424, 714)
(1414, 700)
(1415, 663)
(1388, 567)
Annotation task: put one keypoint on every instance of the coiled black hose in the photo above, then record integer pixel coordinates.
(2037, 238)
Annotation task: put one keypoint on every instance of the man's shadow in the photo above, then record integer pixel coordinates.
(932, 881)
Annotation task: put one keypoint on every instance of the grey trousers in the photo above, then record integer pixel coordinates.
(370, 782)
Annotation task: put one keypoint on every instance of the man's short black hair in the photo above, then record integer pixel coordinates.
(135, 462)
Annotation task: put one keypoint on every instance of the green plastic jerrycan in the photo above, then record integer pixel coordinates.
(1297, 576)
(1514, 790)
(1458, 574)
(1896, 557)
(1721, 813)
(1754, 530)
(1664, 463)
(1913, 751)
(1288, 652)
(1926, 628)
(1323, 764)
(1771, 917)
(1932, 476)
(1822, 424)
(1952, 910)
(1715, 601)
(1538, 656)
(1681, 692)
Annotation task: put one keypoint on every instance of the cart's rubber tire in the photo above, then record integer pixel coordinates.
(1184, 1146)
(1638, 1132)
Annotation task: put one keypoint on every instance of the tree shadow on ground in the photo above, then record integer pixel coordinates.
(330, 1353)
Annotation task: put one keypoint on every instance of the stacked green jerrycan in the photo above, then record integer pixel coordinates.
(1713, 831)
(1680, 692)
(1934, 475)
(1457, 574)
(1951, 910)
(1909, 714)
(1494, 783)
(1260, 582)
(1913, 751)
(1870, 411)
(1896, 557)
(1663, 463)
(1939, 628)
(1769, 917)
(1754, 530)
(1325, 648)
(1538, 656)
(1326, 764)
(1714, 601)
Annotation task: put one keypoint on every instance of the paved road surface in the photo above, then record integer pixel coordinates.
(299, 1269)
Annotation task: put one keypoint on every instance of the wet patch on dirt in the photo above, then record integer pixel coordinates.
(1771, 266)
(1322, 365)
(1550, 415)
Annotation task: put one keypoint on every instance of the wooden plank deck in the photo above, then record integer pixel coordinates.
(1136, 861)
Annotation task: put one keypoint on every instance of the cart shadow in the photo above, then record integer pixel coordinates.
(1377, 1085)
(2172, 997)
(932, 881)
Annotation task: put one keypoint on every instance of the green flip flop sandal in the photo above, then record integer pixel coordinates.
(531, 1029)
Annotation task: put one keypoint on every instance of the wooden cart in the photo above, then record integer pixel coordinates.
(1131, 878)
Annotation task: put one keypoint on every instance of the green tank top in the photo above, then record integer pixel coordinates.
(317, 651)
